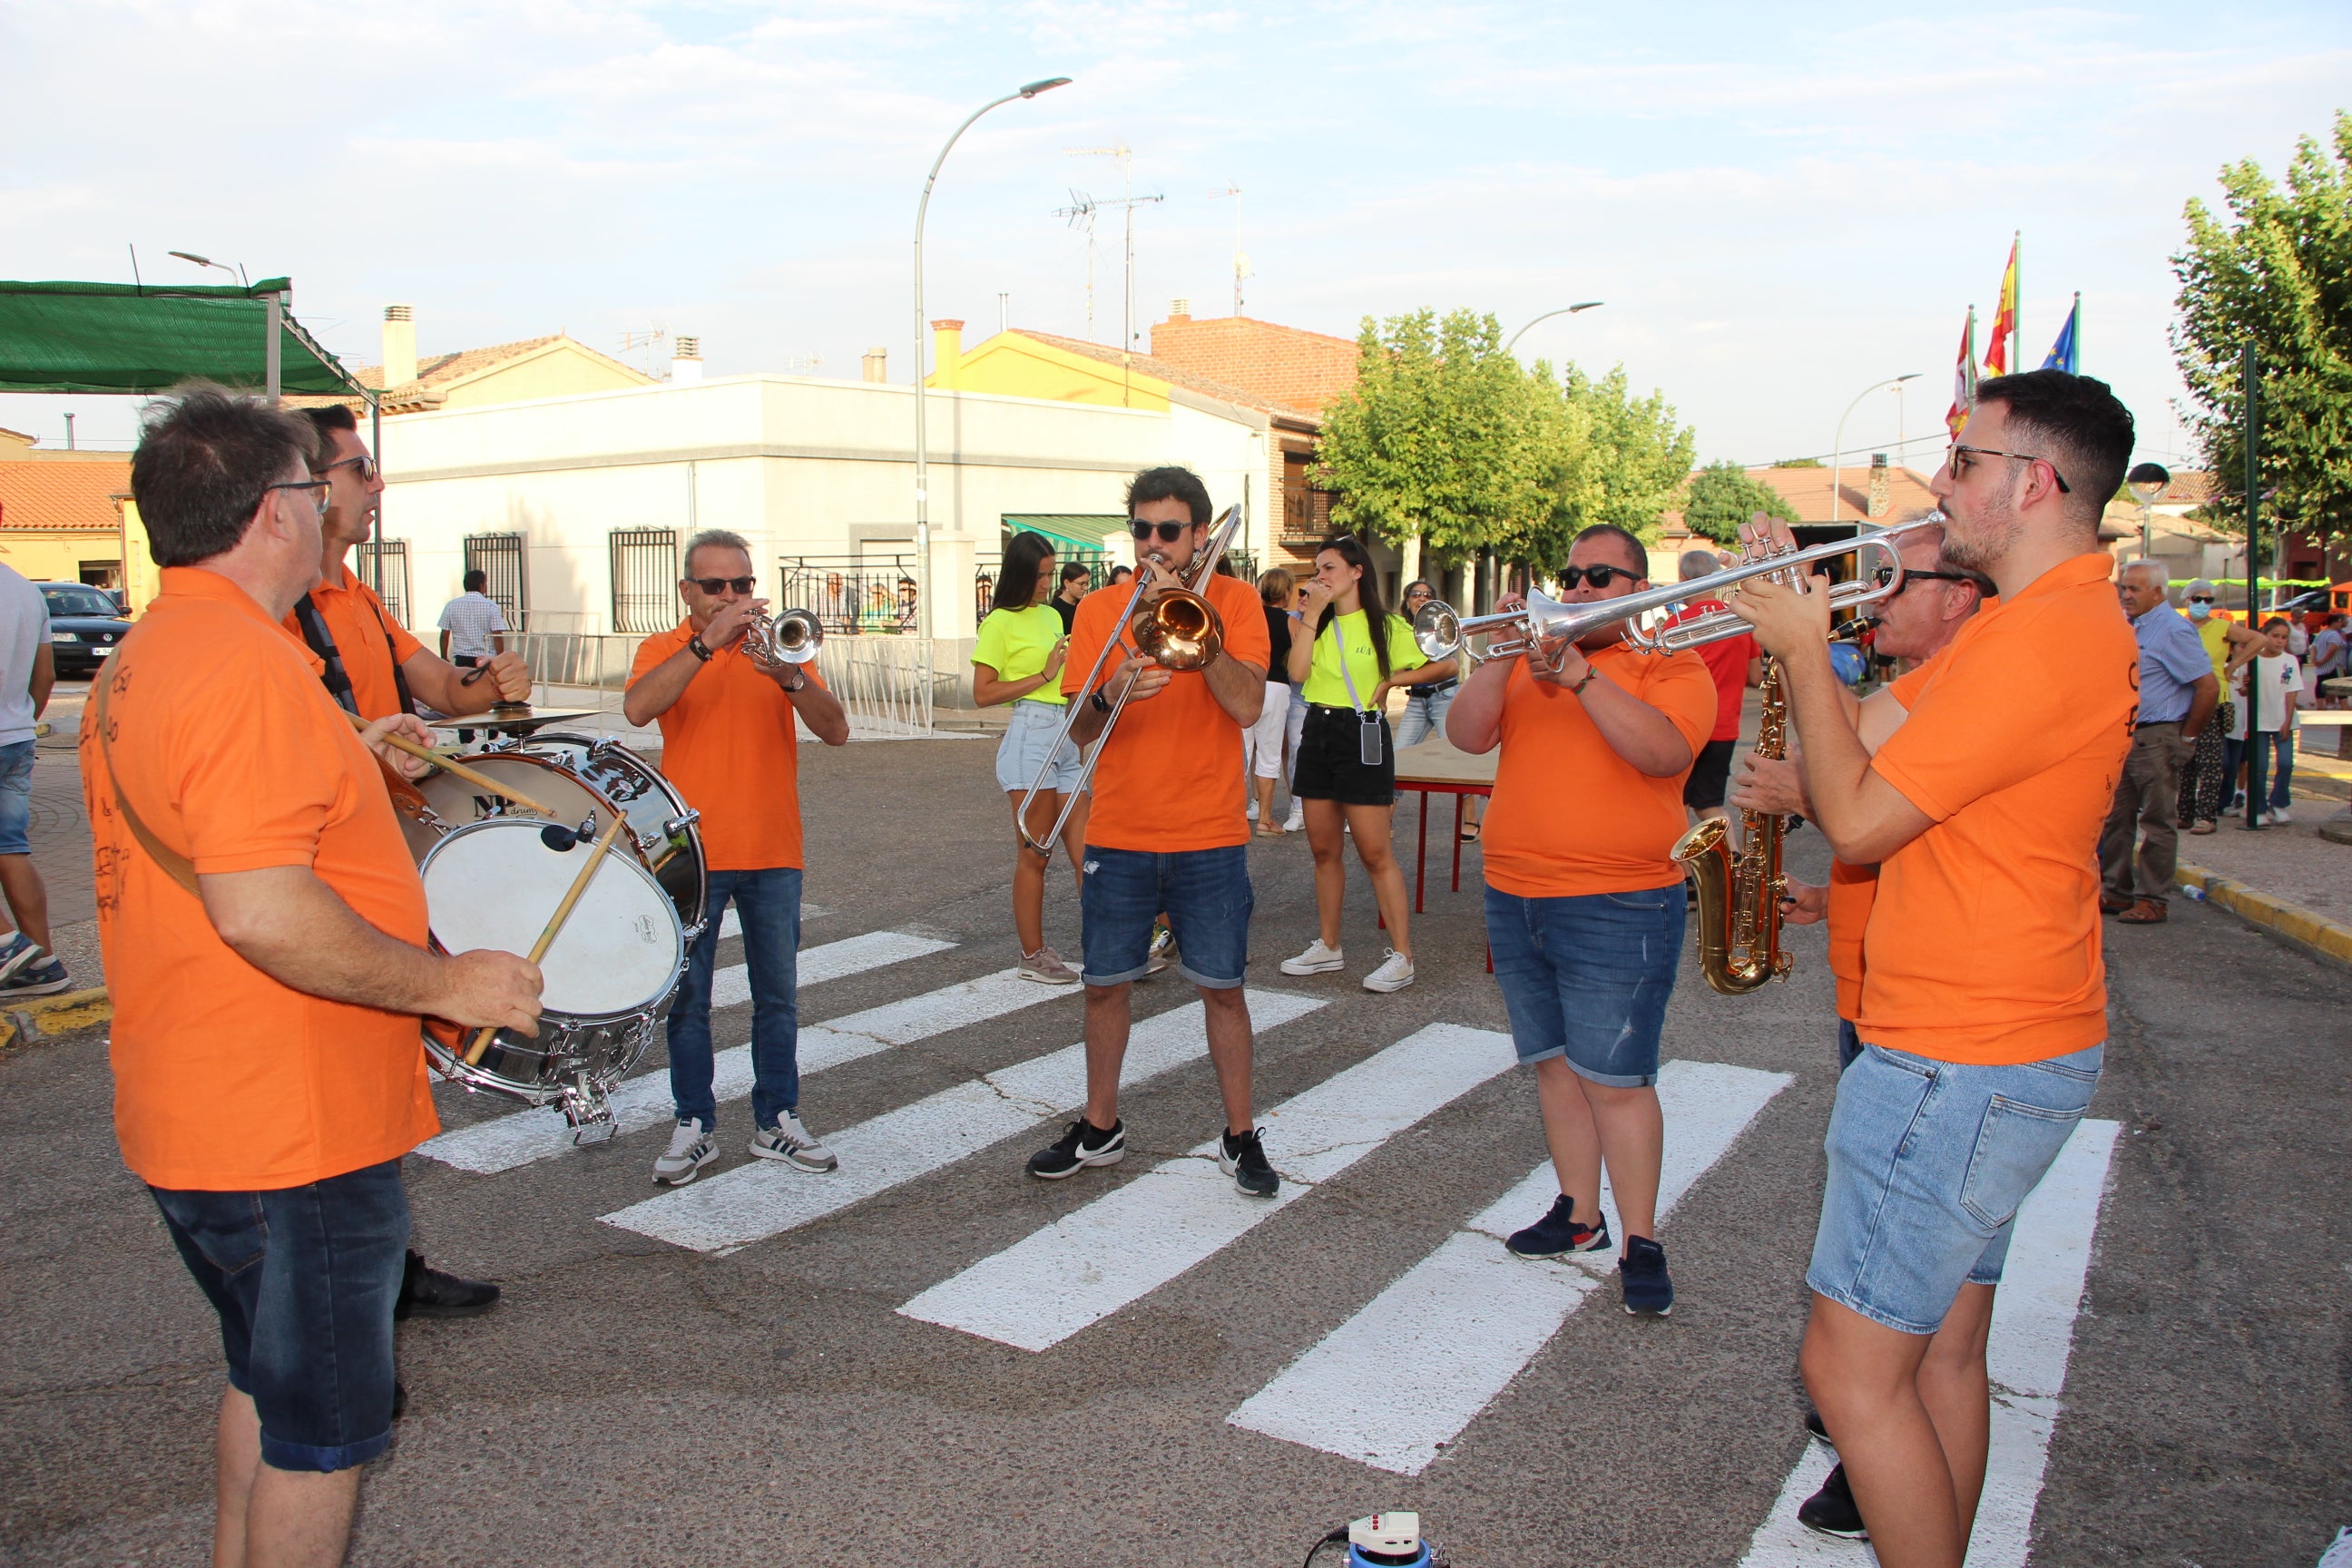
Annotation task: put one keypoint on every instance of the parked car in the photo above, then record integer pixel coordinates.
(85, 623)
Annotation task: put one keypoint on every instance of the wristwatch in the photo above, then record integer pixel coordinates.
(698, 647)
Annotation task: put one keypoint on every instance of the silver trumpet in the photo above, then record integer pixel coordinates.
(1543, 621)
(792, 637)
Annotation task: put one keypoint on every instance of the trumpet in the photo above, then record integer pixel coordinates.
(792, 637)
(1179, 631)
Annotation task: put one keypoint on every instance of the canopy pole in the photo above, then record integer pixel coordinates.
(270, 354)
(375, 448)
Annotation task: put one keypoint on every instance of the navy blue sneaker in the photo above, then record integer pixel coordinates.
(1558, 1233)
(44, 976)
(18, 951)
(1641, 1275)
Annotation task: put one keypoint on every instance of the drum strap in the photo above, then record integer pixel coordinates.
(338, 680)
(176, 865)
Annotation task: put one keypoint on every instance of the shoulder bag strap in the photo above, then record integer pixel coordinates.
(1368, 743)
(176, 865)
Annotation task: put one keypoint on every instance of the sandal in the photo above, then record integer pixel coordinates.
(1269, 829)
(1469, 833)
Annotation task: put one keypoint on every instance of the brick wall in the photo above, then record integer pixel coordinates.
(1285, 364)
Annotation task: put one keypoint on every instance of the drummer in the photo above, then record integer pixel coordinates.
(375, 669)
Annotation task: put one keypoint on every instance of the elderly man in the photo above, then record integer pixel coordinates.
(2178, 694)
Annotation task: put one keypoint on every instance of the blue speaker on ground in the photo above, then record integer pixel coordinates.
(1390, 1540)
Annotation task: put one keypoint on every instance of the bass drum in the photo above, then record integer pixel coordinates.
(581, 776)
(495, 884)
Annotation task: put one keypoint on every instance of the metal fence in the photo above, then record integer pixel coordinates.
(644, 579)
(852, 597)
(499, 557)
(885, 683)
(384, 568)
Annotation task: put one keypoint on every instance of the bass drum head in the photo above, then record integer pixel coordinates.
(496, 884)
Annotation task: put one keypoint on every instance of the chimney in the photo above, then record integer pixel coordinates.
(1180, 310)
(947, 350)
(875, 365)
(686, 364)
(1879, 476)
(399, 344)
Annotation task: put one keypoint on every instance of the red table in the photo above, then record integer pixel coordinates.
(1460, 790)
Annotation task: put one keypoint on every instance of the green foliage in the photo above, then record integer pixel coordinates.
(1721, 497)
(2277, 272)
(1446, 435)
(1801, 463)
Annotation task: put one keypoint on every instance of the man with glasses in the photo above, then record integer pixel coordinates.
(729, 744)
(1584, 905)
(2178, 693)
(1983, 1006)
(1166, 831)
(2206, 777)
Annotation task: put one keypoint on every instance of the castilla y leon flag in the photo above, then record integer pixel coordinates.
(1964, 377)
(2004, 320)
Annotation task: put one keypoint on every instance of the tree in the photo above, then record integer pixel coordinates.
(2277, 273)
(1634, 459)
(1721, 497)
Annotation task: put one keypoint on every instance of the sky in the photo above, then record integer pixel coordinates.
(1780, 205)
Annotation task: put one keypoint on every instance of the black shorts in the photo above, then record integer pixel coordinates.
(1331, 766)
(1709, 775)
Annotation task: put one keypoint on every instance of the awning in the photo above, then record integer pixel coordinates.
(125, 338)
(1089, 532)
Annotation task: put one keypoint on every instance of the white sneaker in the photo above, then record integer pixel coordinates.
(2277, 814)
(1317, 960)
(1296, 821)
(1252, 812)
(691, 1147)
(1047, 968)
(1394, 974)
(793, 1143)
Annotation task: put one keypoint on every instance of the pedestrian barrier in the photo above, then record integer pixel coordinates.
(885, 683)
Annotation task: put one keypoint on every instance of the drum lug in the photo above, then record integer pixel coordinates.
(674, 828)
(587, 1111)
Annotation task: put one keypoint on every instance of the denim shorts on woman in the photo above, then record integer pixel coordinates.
(1587, 978)
(304, 1280)
(1205, 894)
(1928, 1163)
(1026, 742)
(16, 798)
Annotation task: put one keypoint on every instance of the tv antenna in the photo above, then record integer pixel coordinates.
(1126, 203)
(1081, 214)
(1241, 256)
(632, 340)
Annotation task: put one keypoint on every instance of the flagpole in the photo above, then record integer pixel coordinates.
(2075, 342)
(2017, 301)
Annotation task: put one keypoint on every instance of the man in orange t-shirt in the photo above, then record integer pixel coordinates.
(730, 746)
(263, 932)
(1983, 1009)
(1166, 832)
(1584, 902)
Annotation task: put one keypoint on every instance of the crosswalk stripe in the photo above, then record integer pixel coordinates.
(503, 1143)
(2032, 1336)
(1399, 1380)
(1073, 1273)
(732, 986)
(752, 1202)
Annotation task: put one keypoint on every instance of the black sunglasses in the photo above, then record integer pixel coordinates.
(713, 585)
(2200, 598)
(1599, 577)
(1886, 574)
(1169, 533)
(363, 464)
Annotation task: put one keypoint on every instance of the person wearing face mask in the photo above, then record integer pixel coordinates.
(2203, 778)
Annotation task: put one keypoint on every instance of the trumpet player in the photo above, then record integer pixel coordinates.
(729, 746)
(1166, 831)
(1584, 905)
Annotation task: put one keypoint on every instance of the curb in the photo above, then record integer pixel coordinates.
(42, 1016)
(2321, 938)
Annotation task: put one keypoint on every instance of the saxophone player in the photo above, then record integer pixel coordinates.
(1584, 908)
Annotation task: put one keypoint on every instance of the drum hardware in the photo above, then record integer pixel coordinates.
(424, 753)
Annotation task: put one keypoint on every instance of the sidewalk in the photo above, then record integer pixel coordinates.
(2291, 862)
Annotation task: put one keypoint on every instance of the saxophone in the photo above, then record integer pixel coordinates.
(1738, 891)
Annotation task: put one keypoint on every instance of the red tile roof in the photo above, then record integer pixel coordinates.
(1808, 491)
(1298, 368)
(52, 497)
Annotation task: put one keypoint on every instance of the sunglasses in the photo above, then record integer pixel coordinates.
(1169, 533)
(364, 465)
(2200, 598)
(1961, 456)
(1599, 577)
(712, 586)
(1886, 574)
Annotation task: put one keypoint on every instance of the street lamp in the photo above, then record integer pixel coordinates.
(1837, 454)
(208, 261)
(925, 598)
(2148, 481)
(1547, 315)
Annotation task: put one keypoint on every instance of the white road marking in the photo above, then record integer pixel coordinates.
(1399, 1380)
(760, 1199)
(2032, 1335)
(1073, 1273)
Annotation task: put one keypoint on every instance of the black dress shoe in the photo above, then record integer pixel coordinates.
(428, 1293)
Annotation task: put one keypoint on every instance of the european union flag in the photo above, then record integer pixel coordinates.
(2064, 354)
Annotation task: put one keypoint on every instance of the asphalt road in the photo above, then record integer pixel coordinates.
(634, 1401)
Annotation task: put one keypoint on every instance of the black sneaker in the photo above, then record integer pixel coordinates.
(1820, 1429)
(1642, 1274)
(1083, 1144)
(1243, 1159)
(1558, 1233)
(1831, 1510)
(427, 1292)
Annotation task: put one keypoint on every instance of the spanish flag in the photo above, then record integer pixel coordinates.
(1964, 377)
(2004, 320)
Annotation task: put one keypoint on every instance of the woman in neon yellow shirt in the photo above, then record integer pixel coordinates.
(1346, 769)
(1018, 659)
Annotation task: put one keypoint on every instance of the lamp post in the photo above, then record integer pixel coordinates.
(925, 598)
(208, 261)
(1837, 452)
(2148, 481)
(1547, 315)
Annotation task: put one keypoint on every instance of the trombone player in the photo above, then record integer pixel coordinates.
(1166, 831)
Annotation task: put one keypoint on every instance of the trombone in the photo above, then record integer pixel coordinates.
(1179, 631)
(1442, 633)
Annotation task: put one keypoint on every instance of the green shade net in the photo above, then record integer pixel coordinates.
(1084, 532)
(120, 337)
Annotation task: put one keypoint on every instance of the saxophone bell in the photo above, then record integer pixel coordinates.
(1738, 888)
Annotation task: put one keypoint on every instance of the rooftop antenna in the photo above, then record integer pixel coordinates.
(1241, 256)
(1081, 214)
(631, 341)
(1129, 203)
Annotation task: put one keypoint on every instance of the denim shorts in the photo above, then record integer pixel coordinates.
(304, 1280)
(16, 798)
(1587, 978)
(1206, 894)
(1024, 749)
(1928, 1163)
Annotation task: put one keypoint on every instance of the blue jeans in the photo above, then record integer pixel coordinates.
(1207, 898)
(2257, 762)
(1425, 713)
(1587, 978)
(1849, 1044)
(770, 902)
(304, 1280)
(16, 798)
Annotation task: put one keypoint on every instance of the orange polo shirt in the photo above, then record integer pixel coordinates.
(370, 642)
(729, 746)
(1570, 817)
(1170, 775)
(1853, 888)
(1983, 946)
(233, 754)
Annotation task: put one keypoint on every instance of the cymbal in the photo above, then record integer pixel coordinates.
(514, 719)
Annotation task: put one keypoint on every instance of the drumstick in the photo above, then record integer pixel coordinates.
(480, 779)
(555, 923)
